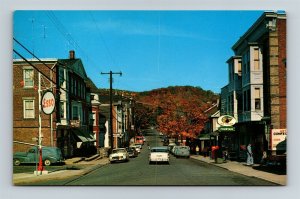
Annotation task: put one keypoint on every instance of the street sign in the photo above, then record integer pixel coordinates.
(226, 120)
(48, 102)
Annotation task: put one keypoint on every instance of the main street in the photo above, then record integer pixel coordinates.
(179, 172)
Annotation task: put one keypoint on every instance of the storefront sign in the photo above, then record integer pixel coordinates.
(226, 120)
(226, 129)
(48, 103)
(278, 139)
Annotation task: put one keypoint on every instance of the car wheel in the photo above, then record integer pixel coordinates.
(17, 162)
(47, 162)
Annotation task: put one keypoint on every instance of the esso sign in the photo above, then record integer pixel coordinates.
(48, 103)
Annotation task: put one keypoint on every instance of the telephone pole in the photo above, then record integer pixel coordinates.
(110, 73)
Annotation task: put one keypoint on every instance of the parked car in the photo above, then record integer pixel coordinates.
(170, 147)
(182, 151)
(159, 154)
(132, 152)
(50, 155)
(173, 149)
(119, 155)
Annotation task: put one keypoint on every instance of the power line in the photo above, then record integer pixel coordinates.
(61, 28)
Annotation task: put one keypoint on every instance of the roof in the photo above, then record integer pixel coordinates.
(92, 86)
(260, 21)
(74, 65)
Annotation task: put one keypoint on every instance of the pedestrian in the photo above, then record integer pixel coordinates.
(264, 158)
(249, 155)
(197, 150)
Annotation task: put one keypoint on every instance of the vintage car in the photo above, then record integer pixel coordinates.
(50, 155)
(159, 154)
(119, 155)
(132, 152)
(182, 151)
(137, 148)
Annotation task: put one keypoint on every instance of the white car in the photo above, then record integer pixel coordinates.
(119, 155)
(159, 154)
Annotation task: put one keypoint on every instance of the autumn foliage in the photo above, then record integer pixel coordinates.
(175, 110)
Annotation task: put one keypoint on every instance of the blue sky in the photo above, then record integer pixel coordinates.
(153, 49)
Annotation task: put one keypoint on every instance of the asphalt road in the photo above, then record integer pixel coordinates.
(183, 172)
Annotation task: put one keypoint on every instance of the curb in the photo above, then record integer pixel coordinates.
(246, 171)
(59, 174)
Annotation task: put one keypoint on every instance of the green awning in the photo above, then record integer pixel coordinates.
(83, 136)
(80, 135)
(204, 136)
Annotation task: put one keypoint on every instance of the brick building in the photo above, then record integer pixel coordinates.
(256, 92)
(26, 104)
(69, 127)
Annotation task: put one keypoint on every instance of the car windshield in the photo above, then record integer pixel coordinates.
(159, 150)
(118, 150)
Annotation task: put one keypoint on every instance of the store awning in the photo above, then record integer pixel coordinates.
(83, 136)
(204, 136)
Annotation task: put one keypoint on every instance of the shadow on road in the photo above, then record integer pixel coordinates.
(279, 170)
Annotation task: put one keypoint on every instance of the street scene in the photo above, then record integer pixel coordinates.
(149, 98)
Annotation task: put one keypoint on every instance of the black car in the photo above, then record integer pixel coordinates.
(132, 152)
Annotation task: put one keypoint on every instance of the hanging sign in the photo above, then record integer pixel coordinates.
(226, 120)
(48, 102)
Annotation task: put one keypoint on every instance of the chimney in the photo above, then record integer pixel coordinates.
(72, 54)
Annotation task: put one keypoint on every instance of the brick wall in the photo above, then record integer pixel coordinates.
(25, 129)
(282, 70)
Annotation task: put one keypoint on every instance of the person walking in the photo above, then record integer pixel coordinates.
(249, 155)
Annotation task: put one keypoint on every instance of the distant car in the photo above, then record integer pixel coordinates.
(132, 152)
(173, 149)
(170, 147)
(119, 155)
(182, 151)
(138, 145)
(139, 139)
(138, 149)
(50, 155)
(159, 154)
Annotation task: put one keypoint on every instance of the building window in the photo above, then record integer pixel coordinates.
(62, 110)
(257, 98)
(239, 67)
(256, 58)
(75, 113)
(94, 119)
(28, 108)
(28, 78)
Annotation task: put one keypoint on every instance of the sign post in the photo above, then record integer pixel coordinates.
(47, 105)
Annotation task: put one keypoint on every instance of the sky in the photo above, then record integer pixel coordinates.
(152, 49)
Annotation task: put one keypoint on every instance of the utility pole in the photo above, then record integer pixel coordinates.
(110, 73)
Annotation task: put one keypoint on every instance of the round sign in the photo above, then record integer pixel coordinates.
(48, 103)
(226, 120)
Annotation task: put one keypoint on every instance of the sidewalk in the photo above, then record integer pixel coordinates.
(242, 168)
(89, 164)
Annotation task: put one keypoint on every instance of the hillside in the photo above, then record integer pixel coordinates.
(176, 109)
